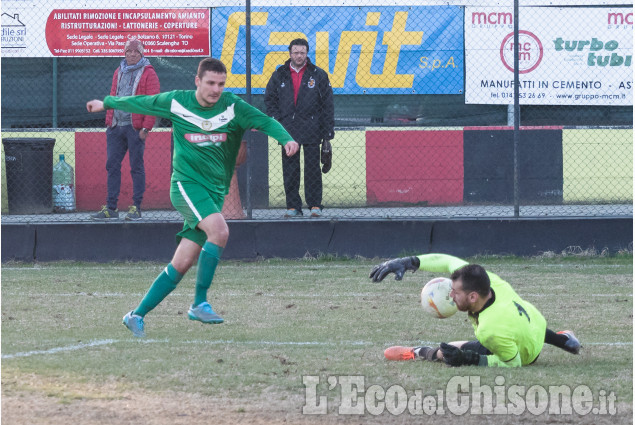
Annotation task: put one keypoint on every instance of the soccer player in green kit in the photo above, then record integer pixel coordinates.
(510, 331)
(208, 127)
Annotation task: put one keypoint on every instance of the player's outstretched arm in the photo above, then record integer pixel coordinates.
(398, 266)
(95, 105)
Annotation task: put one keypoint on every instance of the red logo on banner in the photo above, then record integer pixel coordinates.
(104, 32)
(529, 52)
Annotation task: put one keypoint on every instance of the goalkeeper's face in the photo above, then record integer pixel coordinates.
(463, 300)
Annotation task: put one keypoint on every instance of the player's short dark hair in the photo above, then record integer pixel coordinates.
(210, 64)
(299, 42)
(474, 278)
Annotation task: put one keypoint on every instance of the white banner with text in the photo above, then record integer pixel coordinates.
(559, 63)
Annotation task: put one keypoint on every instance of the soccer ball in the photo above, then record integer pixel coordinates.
(435, 298)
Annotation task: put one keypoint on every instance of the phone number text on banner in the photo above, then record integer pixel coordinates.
(588, 64)
(103, 32)
(372, 50)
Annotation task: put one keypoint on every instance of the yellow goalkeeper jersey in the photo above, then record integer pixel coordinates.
(508, 326)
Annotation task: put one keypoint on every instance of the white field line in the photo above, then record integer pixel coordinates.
(158, 267)
(296, 264)
(273, 295)
(76, 347)
(60, 349)
(98, 343)
(281, 343)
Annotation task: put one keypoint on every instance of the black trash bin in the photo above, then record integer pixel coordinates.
(29, 168)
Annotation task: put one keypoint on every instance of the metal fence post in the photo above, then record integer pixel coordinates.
(516, 111)
(248, 93)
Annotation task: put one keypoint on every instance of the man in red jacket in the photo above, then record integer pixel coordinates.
(128, 132)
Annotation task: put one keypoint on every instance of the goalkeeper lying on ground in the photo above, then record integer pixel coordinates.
(509, 330)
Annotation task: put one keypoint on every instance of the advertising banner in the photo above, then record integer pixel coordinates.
(365, 50)
(103, 32)
(588, 62)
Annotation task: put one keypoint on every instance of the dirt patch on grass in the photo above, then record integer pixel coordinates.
(34, 400)
(42, 401)
(137, 408)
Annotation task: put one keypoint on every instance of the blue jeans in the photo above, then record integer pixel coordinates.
(120, 139)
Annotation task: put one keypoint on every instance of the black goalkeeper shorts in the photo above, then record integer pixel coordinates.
(480, 349)
(476, 347)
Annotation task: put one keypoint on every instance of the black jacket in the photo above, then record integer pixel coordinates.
(312, 119)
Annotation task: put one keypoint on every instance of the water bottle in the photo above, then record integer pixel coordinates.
(63, 187)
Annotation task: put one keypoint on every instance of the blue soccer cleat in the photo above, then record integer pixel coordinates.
(204, 313)
(134, 322)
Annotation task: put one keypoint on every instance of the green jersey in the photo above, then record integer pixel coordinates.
(206, 140)
(508, 326)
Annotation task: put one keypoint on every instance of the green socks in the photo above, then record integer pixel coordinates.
(168, 279)
(207, 262)
(164, 284)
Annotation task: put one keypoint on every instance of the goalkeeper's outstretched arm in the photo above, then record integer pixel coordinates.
(441, 263)
(398, 266)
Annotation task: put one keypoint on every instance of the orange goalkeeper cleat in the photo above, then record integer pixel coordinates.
(573, 344)
(399, 353)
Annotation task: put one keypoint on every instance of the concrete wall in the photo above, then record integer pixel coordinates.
(104, 242)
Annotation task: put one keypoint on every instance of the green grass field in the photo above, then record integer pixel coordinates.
(66, 358)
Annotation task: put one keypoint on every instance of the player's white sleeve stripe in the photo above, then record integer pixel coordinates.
(207, 124)
(189, 201)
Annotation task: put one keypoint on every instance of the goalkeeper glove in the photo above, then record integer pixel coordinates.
(326, 156)
(397, 266)
(454, 356)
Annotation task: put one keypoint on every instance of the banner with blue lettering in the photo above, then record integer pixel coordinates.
(365, 50)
